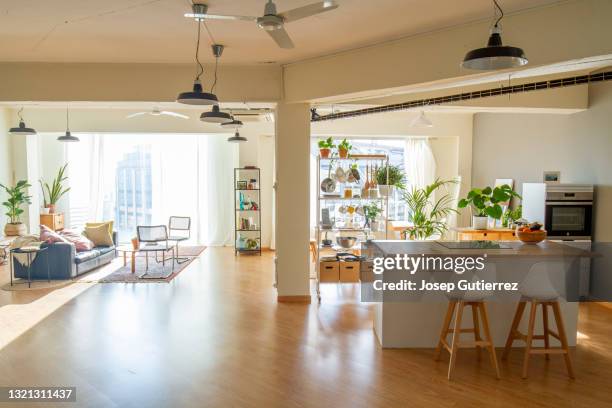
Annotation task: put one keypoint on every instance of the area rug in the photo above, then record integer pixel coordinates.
(157, 271)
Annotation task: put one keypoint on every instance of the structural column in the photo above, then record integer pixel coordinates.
(292, 202)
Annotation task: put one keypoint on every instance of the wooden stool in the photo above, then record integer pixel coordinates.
(479, 314)
(515, 334)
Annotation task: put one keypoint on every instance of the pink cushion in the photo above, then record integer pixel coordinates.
(49, 236)
(81, 243)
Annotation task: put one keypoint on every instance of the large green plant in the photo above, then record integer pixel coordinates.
(52, 193)
(426, 213)
(486, 201)
(17, 196)
(394, 177)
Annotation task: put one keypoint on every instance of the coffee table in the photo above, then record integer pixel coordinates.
(126, 249)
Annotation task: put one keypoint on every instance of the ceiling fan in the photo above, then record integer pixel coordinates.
(157, 112)
(272, 22)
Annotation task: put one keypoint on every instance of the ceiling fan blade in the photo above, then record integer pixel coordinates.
(175, 114)
(133, 115)
(281, 37)
(206, 16)
(307, 11)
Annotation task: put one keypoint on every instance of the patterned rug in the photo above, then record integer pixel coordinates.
(157, 271)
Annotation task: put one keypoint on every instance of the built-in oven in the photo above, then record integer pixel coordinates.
(569, 211)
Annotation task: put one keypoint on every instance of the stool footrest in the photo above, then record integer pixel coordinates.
(542, 350)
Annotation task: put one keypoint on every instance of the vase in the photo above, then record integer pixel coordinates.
(324, 153)
(343, 153)
(385, 191)
(479, 223)
(44, 210)
(16, 229)
(51, 208)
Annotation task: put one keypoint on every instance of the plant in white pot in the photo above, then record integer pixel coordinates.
(428, 210)
(371, 212)
(486, 203)
(389, 177)
(52, 193)
(17, 197)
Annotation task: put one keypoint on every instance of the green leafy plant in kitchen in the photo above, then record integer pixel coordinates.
(511, 216)
(325, 147)
(486, 202)
(390, 175)
(372, 211)
(17, 197)
(52, 193)
(428, 210)
(344, 148)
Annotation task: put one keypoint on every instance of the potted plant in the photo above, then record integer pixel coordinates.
(510, 217)
(371, 212)
(486, 203)
(52, 193)
(427, 214)
(388, 177)
(344, 148)
(325, 147)
(17, 197)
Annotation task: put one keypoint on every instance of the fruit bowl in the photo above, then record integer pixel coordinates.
(531, 237)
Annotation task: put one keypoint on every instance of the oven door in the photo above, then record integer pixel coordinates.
(569, 219)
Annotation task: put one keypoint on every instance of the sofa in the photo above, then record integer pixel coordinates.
(65, 263)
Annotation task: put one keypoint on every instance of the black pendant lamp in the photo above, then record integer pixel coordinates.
(68, 136)
(197, 96)
(234, 124)
(216, 115)
(237, 138)
(495, 55)
(22, 129)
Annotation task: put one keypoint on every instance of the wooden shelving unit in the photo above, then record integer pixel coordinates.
(247, 221)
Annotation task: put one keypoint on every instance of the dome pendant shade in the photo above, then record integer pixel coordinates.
(237, 138)
(68, 138)
(234, 124)
(216, 116)
(495, 55)
(197, 96)
(22, 129)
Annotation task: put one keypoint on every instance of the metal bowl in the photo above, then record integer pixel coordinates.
(346, 242)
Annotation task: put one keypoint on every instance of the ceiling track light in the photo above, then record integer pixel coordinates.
(197, 96)
(237, 138)
(68, 138)
(21, 129)
(216, 115)
(495, 55)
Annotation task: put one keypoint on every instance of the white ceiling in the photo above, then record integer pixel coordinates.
(156, 31)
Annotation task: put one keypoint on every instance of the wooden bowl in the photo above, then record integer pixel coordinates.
(531, 237)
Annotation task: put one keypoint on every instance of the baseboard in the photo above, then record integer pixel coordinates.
(294, 299)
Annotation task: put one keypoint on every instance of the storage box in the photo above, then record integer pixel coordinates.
(329, 271)
(349, 271)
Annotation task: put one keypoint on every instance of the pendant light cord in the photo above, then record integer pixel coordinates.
(500, 11)
(212, 88)
(200, 67)
(67, 120)
(19, 114)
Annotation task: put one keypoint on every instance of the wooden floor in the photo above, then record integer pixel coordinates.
(216, 337)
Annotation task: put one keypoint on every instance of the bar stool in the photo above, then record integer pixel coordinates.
(457, 303)
(538, 290)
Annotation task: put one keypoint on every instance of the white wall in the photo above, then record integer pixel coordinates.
(6, 165)
(523, 146)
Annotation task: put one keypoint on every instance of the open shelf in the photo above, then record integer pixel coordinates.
(254, 218)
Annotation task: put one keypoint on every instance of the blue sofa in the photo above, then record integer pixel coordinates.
(65, 262)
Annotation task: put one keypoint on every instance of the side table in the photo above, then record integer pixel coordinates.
(30, 252)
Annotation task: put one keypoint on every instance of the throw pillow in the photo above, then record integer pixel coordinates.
(109, 225)
(49, 236)
(100, 235)
(81, 243)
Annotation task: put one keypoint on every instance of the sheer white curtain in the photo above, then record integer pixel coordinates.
(419, 162)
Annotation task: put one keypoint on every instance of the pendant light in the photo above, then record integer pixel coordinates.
(22, 129)
(237, 138)
(234, 124)
(68, 136)
(421, 121)
(197, 96)
(216, 115)
(495, 55)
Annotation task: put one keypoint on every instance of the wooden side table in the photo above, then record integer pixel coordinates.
(128, 250)
(53, 221)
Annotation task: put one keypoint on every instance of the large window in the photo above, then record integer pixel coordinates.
(143, 179)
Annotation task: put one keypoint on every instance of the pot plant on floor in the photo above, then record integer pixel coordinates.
(388, 178)
(486, 203)
(17, 197)
(344, 148)
(52, 193)
(426, 213)
(325, 147)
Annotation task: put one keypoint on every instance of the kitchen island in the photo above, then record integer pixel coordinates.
(414, 320)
